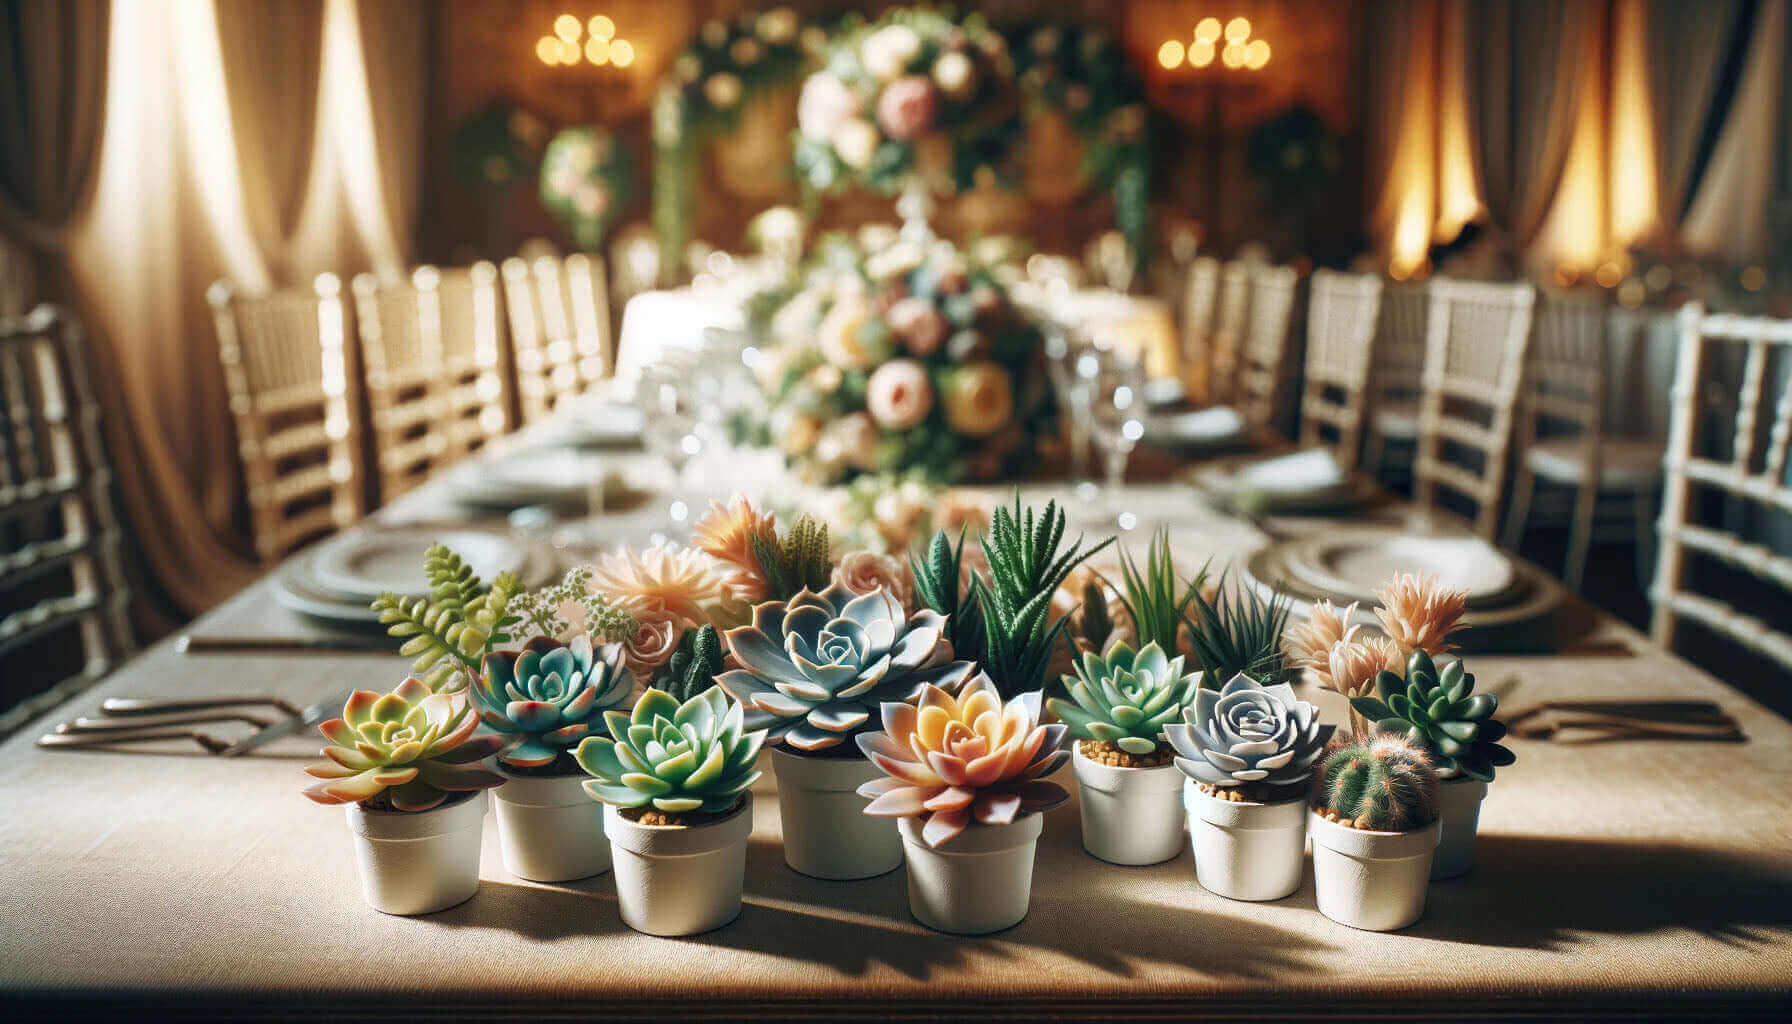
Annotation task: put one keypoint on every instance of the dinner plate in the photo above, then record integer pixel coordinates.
(1217, 427)
(1353, 565)
(362, 564)
(536, 476)
(296, 585)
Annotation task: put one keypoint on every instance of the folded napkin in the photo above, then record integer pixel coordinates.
(1202, 426)
(1590, 721)
(1305, 472)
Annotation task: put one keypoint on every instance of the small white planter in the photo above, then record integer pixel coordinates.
(417, 862)
(1459, 812)
(1375, 881)
(979, 881)
(550, 828)
(679, 879)
(1130, 815)
(1246, 851)
(826, 831)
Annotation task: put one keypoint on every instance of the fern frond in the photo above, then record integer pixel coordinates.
(443, 647)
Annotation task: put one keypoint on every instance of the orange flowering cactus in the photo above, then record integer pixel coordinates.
(410, 748)
(957, 759)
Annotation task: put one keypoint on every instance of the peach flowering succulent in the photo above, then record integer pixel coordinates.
(726, 533)
(410, 748)
(957, 759)
(1419, 613)
(680, 580)
(1309, 645)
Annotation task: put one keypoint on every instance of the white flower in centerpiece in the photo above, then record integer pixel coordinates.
(877, 237)
(888, 52)
(824, 105)
(955, 75)
(855, 141)
(777, 26)
(795, 432)
(893, 260)
(979, 399)
(842, 337)
(899, 394)
(850, 440)
(722, 90)
(907, 106)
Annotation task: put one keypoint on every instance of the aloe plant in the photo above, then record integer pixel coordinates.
(407, 750)
(544, 699)
(1155, 599)
(1026, 568)
(1440, 711)
(1383, 784)
(797, 561)
(448, 632)
(1239, 631)
(690, 758)
(937, 574)
(1125, 697)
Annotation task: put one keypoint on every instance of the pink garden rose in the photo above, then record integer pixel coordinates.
(866, 571)
(920, 326)
(654, 641)
(906, 107)
(899, 394)
(824, 106)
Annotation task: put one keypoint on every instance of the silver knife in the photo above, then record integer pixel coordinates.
(321, 711)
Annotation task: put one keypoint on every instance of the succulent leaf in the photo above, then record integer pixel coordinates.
(547, 696)
(681, 758)
(1246, 733)
(1438, 710)
(1125, 695)
(413, 745)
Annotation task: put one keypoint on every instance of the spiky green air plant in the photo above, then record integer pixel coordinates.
(1239, 632)
(1155, 599)
(1383, 784)
(408, 749)
(937, 574)
(815, 669)
(448, 632)
(544, 699)
(798, 561)
(1249, 737)
(1026, 569)
(1440, 711)
(1125, 697)
(694, 757)
(693, 666)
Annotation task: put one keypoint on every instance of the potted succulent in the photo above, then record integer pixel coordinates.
(1120, 703)
(812, 671)
(673, 778)
(406, 766)
(1374, 830)
(1437, 709)
(1247, 751)
(543, 700)
(966, 783)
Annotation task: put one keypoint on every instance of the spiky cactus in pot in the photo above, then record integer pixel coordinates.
(1120, 703)
(1439, 710)
(1247, 741)
(1383, 784)
(671, 758)
(408, 750)
(545, 698)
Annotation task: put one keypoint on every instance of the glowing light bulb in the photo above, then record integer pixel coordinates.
(1238, 30)
(1233, 55)
(601, 27)
(1201, 54)
(567, 27)
(622, 53)
(1170, 54)
(1208, 30)
(1256, 54)
(547, 50)
(597, 51)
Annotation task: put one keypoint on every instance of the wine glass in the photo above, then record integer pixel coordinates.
(1115, 380)
(1074, 395)
(669, 426)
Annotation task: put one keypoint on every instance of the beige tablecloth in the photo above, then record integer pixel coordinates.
(1622, 876)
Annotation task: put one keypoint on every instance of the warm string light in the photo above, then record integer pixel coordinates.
(1229, 43)
(593, 41)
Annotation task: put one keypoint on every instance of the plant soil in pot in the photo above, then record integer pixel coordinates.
(680, 772)
(1374, 828)
(1248, 752)
(549, 828)
(406, 764)
(1120, 703)
(813, 673)
(1245, 850)
(965, 776)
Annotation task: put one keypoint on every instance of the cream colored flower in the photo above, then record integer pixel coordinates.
(1419, 613)
(725, 533)
(680, 580)
(722, 90)
(887, 52)
(866, 571)
(850, 440)
(655, 639)
(955, 75)
(855, 140)
(1309, 645)
(842, 336)
(778, 25)
(795, 432)
(1352, 665)
(979, 399)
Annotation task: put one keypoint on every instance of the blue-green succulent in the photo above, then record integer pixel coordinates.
(547, 697)
(1126, 697)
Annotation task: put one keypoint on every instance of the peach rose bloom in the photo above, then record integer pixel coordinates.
(979, 399)
(654, 641)
(920, 326)
(899, 394)
(906, 107)
(866, 571)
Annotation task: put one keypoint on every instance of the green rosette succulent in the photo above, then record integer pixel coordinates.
(409, 748)
(695, 757)
(815, 669)
(1440, 711)
(1125, 697)
(1246, 734)
(547, 697)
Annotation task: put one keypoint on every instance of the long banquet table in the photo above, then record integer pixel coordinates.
(1616, 879)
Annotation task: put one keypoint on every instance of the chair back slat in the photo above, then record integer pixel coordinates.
(60, 557)
(286, 359)
(1232, 315)
(559, 329)
(1342, 312)
(1477, 335)
(1200, 303)
(1263, 357)
(1696, 462)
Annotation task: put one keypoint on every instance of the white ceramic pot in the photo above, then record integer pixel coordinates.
(679, 879)
(416, 862)
(826, 831)
(1459, 812)
(1246, 851)
(1375, 881)
(1130, 815)
(977, 882)
(550, 828)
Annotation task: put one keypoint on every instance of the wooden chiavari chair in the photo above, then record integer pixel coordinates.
(1341, 315)
(296, 408)
(1561, 437)
(435, 387)
(1262, 371)
(559, 329)
(1396, 362)
(1231, 317)
(1476, 339)
(1200, 303)
(60, 569)
(1751, 472)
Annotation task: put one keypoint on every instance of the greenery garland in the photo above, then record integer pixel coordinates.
(587, 179)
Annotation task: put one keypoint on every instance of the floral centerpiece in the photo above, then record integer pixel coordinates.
(587, 181)
(908, 357)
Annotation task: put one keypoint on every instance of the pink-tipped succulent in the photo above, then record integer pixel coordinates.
(957, 759)
(410, 748)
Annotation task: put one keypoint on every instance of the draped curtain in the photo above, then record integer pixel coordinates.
(1727, 214)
